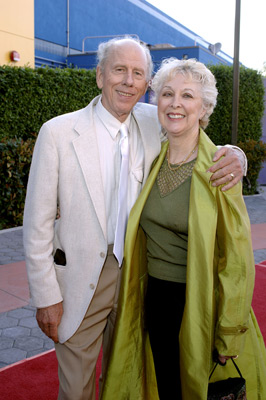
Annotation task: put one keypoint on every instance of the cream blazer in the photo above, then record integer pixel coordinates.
(65, 172)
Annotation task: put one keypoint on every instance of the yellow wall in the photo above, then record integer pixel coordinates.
(17, 31)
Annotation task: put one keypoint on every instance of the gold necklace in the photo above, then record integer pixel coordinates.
(182, 162)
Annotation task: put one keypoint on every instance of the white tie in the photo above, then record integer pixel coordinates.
(122, 216)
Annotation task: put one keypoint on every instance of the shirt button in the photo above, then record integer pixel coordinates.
(102, 254)
(92, 286)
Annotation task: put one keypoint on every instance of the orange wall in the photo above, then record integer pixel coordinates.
(17, 31)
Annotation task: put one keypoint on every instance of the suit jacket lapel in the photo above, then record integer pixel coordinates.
(147, 135)
(86, 148)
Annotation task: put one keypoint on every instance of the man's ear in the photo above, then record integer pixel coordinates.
(99, 77)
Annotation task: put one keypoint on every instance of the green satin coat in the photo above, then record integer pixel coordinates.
(220, 281)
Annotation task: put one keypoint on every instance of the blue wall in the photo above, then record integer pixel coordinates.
(103, 18)
(89, 61)
(50, 19)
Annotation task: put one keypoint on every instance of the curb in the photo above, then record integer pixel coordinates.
(11, 229)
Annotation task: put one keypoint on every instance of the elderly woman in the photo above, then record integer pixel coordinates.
(189, 268)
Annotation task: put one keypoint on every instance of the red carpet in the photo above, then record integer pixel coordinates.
(259, 297)
(36, 378)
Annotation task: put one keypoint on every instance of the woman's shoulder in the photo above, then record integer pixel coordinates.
(206, 143)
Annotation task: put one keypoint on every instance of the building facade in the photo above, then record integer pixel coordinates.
(68, 32)
(17, 32)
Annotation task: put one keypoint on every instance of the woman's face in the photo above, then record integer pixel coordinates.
(180, 106)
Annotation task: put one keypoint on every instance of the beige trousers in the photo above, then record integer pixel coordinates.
(78, 356)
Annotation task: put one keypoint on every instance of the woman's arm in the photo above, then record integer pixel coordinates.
(235, 272)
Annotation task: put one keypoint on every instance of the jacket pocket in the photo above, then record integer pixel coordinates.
(60, 257)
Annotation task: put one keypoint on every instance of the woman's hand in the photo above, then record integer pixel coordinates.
(223, 359)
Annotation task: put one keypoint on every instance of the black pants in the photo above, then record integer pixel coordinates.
(165, 303)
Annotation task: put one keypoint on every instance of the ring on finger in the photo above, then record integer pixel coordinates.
(232, 175)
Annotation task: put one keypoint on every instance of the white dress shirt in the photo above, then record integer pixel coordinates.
(108, 137)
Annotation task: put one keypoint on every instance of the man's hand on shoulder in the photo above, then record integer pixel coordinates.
(49, 318)
(229, 170)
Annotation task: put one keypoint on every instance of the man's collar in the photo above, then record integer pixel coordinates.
(111, 123)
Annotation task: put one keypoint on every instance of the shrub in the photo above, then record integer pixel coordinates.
(14, 170)
(250, 109)
(250, 113)
(30, 97)
(256, 155)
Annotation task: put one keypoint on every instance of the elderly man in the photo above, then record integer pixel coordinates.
(73, 269)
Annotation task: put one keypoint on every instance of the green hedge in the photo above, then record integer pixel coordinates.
(31, 97)
(250, 114)
(250, 110)
(14, 169)
(256, 154)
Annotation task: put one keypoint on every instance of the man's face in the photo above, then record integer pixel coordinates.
(123, 80)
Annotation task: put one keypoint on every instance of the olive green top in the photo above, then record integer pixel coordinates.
(165, 221)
